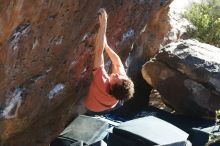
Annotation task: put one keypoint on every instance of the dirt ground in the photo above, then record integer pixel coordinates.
(156, 101)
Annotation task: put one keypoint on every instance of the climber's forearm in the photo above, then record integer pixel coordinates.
(117, 66)
(116, 61)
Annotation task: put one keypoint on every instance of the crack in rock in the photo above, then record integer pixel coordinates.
(17, 34)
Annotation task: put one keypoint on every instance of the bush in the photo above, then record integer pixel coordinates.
(205, 17)
(212, 137)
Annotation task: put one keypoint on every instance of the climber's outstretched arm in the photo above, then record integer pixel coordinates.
(99, 42)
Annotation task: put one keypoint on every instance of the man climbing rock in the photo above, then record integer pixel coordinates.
(105, 90)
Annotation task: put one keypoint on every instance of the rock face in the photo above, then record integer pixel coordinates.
(46, 55)
(187, 74)
(153, 35)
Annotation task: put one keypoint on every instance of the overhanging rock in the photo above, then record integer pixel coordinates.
(46, 57)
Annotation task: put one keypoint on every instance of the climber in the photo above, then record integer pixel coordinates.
(105, 90)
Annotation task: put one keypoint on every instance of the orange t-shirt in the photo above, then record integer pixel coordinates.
(98, 98)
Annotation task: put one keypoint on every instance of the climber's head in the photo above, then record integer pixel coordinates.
(121, 86)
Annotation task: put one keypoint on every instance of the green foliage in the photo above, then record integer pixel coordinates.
(212, 137)
(217, 114)
(205, 17)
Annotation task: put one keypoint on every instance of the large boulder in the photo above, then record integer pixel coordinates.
(187, 74)
(46, 56)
